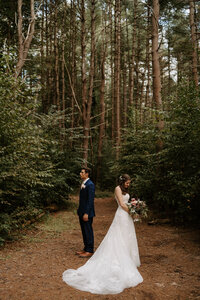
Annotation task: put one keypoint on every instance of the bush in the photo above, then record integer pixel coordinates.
(169, 180)
(36, 166)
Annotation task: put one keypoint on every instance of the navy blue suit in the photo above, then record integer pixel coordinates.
(86, 206)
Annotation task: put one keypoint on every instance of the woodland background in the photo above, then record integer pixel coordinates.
(109, 84)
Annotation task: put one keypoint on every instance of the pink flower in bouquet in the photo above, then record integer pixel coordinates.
(133, 201)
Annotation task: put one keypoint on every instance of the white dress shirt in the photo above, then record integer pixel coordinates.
(83, 183)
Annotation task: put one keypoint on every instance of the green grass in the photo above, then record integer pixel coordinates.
(32, 239)
(71, 206)
(103, 194)
(5, 257)
(49, 225)
(54, 225)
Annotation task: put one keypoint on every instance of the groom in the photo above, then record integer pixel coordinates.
(86, 213)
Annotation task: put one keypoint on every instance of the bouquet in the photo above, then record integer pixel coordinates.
(137, 209)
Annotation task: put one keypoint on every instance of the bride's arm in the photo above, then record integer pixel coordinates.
(118, 194)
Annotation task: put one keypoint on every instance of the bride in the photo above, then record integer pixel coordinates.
(113, 267)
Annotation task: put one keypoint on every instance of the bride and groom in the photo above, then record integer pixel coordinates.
(113, 266)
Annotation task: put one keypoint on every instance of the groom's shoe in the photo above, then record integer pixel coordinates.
(86, 254)
(80, 252)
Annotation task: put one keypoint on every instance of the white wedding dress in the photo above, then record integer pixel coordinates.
(113, 267)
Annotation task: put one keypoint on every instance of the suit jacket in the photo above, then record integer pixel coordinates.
(86, 200)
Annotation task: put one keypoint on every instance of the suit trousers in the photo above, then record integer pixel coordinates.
(87, 233)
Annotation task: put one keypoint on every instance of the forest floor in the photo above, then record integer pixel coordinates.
(31, 268)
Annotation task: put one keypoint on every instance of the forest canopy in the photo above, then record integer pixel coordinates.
(113, 85)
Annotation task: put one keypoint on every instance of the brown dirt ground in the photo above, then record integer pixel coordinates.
(32, 267)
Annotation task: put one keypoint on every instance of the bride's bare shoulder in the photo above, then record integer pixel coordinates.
(117, 189)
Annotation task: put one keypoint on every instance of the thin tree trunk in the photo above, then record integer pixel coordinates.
(125, 92)
(43, 90)
(73, 63)
(47, 56)
(117, 74)
(137, 81)
(169, 66)
(51, 56)
(63, 68)
(126, 75)
(142, 96)
(132, 67)
(147, 95)
(194, 44)
(102, 111)
(169, 60)
(197, 22)
(179, 68)
(112, 74)
(83, 69)
(87, 109)
(156, 67)
(57, 63)
(155, 56)
(24, 43)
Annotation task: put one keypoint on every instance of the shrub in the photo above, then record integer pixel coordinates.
(169, 180)
(36, 165)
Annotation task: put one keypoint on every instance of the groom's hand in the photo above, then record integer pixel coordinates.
(85, 217)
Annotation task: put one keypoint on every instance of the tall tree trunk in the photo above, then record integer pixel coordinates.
(137, 80)
(194, 43)
(147, 94)
(112, 74)
(132, 66)
(43, 89)
(169, 59)
(88, 104)
(125, 108)
(51, 55)
(197, 22)
(142, 96)
(127, 71)
(24, 43)
(57, 62)
(83, 71)
(63, 66)
(179, 68)
(102, 105)
(47, 56)
(169, 66)
(156, 67)
(117, 74)
(73, 61)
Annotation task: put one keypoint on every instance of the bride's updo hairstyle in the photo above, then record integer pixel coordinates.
(122, 179)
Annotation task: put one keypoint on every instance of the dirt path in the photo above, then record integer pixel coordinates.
(31, 269)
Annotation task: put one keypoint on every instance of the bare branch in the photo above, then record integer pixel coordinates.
(73, 93)
(24, 45)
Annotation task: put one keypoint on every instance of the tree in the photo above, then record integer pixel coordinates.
(24, 43)
(194, 44)
(133, 50)
(156, 65)
(102, 99)
(117, 74)
(87, 103)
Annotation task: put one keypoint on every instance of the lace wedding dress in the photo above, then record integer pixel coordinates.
(113, 267)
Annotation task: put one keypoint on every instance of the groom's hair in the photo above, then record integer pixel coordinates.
(87, 170)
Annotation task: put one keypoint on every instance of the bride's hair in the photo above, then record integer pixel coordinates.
(122, 179)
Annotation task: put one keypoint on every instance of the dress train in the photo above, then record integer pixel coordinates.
(113, 267)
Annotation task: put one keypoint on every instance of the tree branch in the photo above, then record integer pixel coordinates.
(73, 93)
